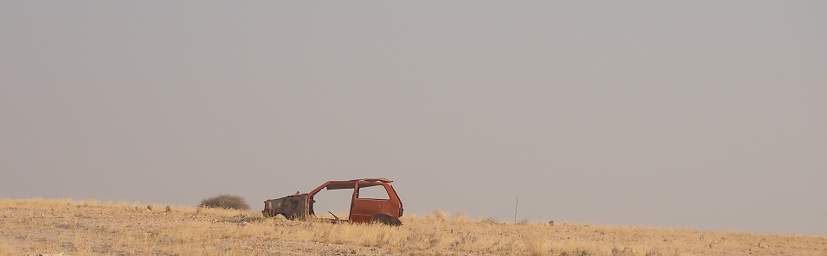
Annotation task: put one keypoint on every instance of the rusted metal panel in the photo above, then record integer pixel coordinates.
(291, 207)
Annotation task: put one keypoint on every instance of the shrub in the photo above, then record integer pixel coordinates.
(226, 202)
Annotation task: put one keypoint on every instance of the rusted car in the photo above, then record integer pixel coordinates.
(363, 209)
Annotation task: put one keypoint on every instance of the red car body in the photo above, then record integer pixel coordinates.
(362, 210)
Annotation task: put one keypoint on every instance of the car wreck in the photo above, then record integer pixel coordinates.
(363, 209)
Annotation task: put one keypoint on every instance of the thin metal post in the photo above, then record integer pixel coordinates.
(516, 203)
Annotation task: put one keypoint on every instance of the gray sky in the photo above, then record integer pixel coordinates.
(702, 114)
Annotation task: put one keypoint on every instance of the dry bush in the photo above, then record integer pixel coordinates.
(491, 221)
(225, 202)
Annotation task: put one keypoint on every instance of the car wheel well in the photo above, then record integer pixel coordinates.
(386, 219)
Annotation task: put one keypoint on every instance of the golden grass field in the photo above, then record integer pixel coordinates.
(69, 227)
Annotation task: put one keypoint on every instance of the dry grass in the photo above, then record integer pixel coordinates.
(93, 228)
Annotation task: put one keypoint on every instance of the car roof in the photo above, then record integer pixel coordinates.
(351, 184)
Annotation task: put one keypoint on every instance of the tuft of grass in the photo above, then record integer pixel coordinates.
(225, 201)
(537, 247)
(624, 252)
(244, 218)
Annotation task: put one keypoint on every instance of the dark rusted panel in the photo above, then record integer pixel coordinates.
(362, 210)
(291, 207)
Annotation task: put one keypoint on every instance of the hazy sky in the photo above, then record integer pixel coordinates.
(702, 114)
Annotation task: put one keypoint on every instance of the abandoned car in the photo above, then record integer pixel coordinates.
(385, 209)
